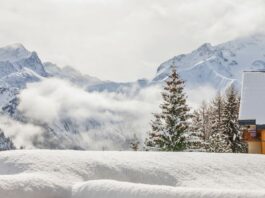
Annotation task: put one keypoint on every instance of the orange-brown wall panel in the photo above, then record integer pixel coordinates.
(263, 141)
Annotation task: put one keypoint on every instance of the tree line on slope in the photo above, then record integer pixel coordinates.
(6, 143)
(211, 128)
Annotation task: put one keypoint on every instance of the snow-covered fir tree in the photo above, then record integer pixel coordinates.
(169, 127)
(218, 141)
(205, 113)
(217, 114)
(196, 135)
(5, 142)
(153, 141)
(230, 121)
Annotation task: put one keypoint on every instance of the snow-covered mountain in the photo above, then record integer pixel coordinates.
(17, 58)
(18, 66)
(217, 66)
(71, 74)
(91, 83)
(211, 66)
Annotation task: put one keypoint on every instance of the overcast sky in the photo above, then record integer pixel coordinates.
(124, 40)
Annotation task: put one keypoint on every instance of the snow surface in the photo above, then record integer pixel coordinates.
(88, 174)
(252, 97)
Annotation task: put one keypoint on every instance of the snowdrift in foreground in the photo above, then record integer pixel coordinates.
(114, 189)
(87, 174)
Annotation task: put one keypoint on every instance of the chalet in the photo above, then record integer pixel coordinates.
(252, 111)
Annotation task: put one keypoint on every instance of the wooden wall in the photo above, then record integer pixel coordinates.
(254, 147)
(263, 141)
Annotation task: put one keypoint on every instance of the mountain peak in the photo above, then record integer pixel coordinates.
(15, 46)
(206, 47)
(14, 52)
(218, 66)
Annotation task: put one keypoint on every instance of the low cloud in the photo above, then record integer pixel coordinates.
(101, 118)
(22, 134)
(197, 95)
(50, 99)
(59, 114)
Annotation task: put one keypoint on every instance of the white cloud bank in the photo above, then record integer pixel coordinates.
(92, 120)
(96, 116)
(22, 134)
(50, 99)
(101, 37)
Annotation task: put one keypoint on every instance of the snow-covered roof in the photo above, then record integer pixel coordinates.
(252, 106)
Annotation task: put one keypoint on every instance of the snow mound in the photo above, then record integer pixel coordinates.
(114, 189)
(88, 174)
(33, 185)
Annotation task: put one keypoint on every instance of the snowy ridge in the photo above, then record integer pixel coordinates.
(70, 74)
(77, 174)
(91, 83)
(14, 53)
(220, 65)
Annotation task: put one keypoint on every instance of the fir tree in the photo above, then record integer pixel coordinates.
(217, 114)
(218, 141)
(169, 127)
(230, 121)
(196, 135)
(205, 113)
(5, 142)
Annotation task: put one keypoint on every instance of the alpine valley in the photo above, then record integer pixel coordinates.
(215, 67)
